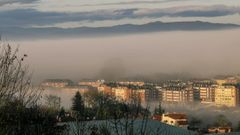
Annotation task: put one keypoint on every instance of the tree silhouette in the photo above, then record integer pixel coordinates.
(20, 113)
(78, 105)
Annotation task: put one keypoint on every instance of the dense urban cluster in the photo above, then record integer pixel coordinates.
(101, 107)
(222, 91)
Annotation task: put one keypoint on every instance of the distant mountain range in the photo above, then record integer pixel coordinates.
(54, 32)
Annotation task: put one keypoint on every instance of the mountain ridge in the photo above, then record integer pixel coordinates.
(158, 26)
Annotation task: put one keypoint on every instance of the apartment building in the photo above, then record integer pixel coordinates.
(205, 90)
(227, 96)
(135, 83)
(121, 93)
(153, 94)
(177, 94)
(105, 90)
(57, 83)
(92, 83)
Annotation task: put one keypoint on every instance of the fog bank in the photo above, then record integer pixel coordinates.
(201, 54)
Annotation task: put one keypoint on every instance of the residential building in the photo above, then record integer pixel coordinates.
(135, 83)
(175, 119)
(58, 83)
(177, 94)
(138, 94)
(227, 80)
(219, 130)
(93, 83)
(106, 90)
(126, 94)
(204, 91)
(121, 93)
(152, 95)
(227, 96)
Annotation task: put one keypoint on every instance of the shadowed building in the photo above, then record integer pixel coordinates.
(206, 90)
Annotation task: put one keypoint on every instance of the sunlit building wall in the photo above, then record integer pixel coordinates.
(226, 96)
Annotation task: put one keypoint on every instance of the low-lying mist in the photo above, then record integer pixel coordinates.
(206, 113)
(144, 56)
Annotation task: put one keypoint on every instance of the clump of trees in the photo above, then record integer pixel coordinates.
(115, 116)
(20, 112)
(53, 102)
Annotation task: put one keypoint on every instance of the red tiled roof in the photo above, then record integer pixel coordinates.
(176, 116)
(182, 122)
(157, 117)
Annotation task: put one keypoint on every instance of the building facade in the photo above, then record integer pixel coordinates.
(227, 96)
(57, 83)
(206, 90)
(175, 119)
(176, 94)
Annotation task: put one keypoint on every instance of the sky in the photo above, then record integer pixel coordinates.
(112, 39)
(95, 13)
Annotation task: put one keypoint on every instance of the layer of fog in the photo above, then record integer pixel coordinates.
(207, 113)
(200, 54)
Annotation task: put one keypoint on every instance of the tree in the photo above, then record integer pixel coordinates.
(126, 115)
(53, 102)
(61, 114)
(78, 104)
(15, 80)
(20, 113)
(80, 124)
(159, 110)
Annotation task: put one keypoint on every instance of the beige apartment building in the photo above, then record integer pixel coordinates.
(126, 94)
(227, 96)
(105, 90)
(121, 93)
(92, 83)
(177, 94)
(57, 83)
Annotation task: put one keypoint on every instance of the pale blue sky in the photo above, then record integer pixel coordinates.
(95, 13)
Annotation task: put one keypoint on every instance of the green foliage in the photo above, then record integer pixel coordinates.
(108, 107)
(20, 120)
(159, 110)
(19, 110)
(78, 105)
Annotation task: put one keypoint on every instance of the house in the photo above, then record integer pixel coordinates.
(175, 119)
(157, 117)
(219, 130)
(57, 83)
